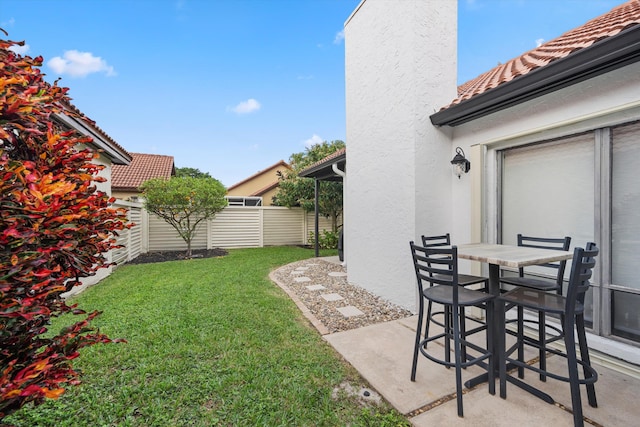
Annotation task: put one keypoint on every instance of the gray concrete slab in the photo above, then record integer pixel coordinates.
(382, 354)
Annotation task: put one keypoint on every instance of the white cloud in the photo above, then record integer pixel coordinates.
(80, 64)
(246, 107)
(20, 50)
(539, 42)
(339, 37)
(8, 23)
(315, 139)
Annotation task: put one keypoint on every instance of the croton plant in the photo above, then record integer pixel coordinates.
(55, 228)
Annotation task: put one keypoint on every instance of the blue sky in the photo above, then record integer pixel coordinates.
(233, 86)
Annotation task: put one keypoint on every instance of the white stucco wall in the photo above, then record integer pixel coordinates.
(106, 187)
(400, 67)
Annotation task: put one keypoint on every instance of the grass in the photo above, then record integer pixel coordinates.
(210, 342)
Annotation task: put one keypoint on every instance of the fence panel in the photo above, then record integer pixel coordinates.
(131, 239)
(283, 226)
(236, 227)
(163, 237)
(323, 224)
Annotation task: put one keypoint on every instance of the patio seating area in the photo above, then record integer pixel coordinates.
(382, 353)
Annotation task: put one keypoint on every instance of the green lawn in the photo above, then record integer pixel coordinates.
(210, 342)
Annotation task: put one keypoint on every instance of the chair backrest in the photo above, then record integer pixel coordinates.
(436, 241)
(584, 260)
(437, 266)
(558, 244)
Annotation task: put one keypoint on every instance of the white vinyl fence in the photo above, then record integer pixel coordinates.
(234, 227)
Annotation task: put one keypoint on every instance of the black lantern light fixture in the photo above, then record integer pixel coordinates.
(460, 163)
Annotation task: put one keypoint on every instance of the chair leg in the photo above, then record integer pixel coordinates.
(501, 348)
(447, 337)
(572, 362)
(463, 333)
(520, 338)
(542, 338)
(457, 354)
(584, 355)
(416, 347)
(491, 341)
(427, 321)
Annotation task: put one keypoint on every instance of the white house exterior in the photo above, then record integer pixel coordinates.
(558, 159)
(110, 153)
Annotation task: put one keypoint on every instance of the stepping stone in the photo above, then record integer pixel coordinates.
(315, 287)
(297, 272)
(301, 279)
(302, 268)
(337, 274)
(350, 311)
(332, 297)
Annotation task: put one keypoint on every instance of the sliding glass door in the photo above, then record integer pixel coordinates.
(583, 186)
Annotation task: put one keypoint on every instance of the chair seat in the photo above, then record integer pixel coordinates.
(443, 294)
(528, 282)
(468, 279)
(538, 300)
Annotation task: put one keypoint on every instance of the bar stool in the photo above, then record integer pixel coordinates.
(439, 268)
(571, 311)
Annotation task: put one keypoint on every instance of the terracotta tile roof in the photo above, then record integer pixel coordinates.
(327, 159)
(311, 171)
(280, 163)
(142, 168)
(604, 26)
(73, 108)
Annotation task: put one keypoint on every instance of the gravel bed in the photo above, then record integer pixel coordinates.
(332, 277)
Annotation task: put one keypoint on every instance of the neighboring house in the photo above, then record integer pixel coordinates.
(127, 179)
(110, 152)
(553, 137)
(259, 188)
(111, 155)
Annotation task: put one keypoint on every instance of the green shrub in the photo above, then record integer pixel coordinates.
(55, 227)
(328, 239)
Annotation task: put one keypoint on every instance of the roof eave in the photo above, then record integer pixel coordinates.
(602, 57)
(324, 171)
(116, 154)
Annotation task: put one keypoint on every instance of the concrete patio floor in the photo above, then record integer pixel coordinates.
(382, 354)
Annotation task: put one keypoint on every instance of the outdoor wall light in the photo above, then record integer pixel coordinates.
(460, 163)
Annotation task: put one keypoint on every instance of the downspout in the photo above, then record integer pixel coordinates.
(342, 174)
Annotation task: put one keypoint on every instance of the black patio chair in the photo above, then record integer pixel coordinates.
(463, 280)
(439, 268)
(571, 311)
(557, 269)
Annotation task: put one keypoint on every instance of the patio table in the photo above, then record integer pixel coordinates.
(506, 256)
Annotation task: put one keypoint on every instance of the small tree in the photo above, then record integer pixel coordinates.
(296, 191)
(55, 227)
(192, 172)
(184, 202)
